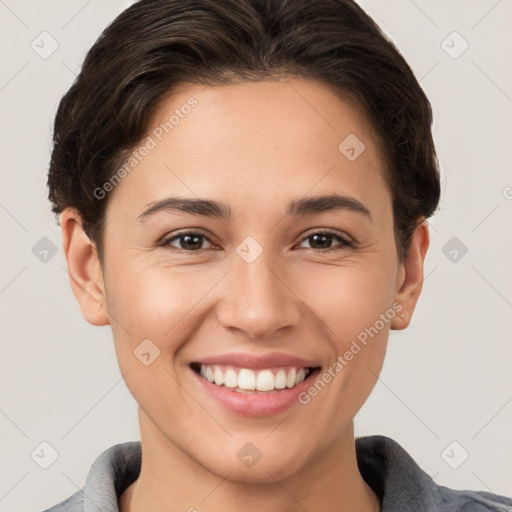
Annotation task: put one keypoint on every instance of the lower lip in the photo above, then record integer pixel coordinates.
(255, 404)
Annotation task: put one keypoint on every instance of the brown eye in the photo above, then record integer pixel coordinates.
(187, 241)
(322, 240)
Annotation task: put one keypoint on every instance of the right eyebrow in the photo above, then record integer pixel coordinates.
(202, 207)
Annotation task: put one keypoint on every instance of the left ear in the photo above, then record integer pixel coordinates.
(410, 276)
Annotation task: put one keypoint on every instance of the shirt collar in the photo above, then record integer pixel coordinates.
(386, 467)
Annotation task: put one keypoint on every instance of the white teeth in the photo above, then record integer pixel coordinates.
(265, 381)
(246, 380)
(280, 380)
(219, 376)
(230, 379)
(290, 379)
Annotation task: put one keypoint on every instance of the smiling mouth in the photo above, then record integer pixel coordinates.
(246, 380)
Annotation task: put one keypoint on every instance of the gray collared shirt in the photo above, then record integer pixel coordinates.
(389, 470)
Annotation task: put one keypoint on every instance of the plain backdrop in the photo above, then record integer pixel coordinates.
(445, 392)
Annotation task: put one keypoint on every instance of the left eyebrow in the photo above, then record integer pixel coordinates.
(302, 207)
(320, 204)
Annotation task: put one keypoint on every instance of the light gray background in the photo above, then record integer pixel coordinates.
(446, 378)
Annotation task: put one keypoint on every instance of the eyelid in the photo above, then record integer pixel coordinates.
(329, 231)
(164, 241)
(345, 239)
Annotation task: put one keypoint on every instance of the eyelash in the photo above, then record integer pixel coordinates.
(345, 242)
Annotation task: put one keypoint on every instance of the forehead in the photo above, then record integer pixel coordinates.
(257, 140)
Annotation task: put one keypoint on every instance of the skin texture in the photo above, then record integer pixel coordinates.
(255, 146)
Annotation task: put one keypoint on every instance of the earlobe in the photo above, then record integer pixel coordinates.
(410, 276)
(84, 269)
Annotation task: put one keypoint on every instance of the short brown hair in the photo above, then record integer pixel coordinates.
(156, 45)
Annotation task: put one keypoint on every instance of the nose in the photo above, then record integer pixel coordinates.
(258, 300)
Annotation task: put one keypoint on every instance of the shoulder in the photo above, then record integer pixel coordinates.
(111, 473)
(402, 485)
(74, 503)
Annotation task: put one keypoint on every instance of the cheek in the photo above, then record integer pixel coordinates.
(355, 310)
(349, 298)
(354, 306)
(156, 303)
(149, 317)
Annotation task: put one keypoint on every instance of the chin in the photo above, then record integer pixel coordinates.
(245, 463)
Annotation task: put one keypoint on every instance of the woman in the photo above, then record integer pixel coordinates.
(243, 188)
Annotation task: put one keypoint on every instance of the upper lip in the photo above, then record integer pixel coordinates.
(258, 361)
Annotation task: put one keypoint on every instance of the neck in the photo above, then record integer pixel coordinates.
(170, 479)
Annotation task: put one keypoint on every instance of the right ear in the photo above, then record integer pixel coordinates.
(85, 273)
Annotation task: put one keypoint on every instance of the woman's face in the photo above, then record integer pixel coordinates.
(254, 291)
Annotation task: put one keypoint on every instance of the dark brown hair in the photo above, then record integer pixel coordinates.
(156, 45)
